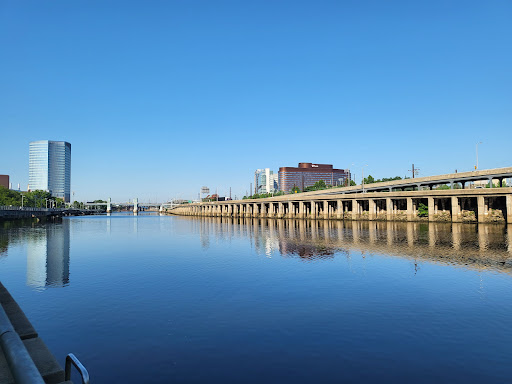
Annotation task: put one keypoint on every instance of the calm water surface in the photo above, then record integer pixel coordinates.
(202, 300)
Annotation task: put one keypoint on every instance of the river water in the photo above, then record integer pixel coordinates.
(165, 299)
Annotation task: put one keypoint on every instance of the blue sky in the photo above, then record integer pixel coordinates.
(160, 98)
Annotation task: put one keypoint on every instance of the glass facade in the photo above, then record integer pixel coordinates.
(50, 167)
(265, 181)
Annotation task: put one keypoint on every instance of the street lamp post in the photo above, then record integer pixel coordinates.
(362, 175)
(476, 167)
(22, 196)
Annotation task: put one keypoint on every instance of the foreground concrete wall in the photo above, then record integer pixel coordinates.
(464, 206)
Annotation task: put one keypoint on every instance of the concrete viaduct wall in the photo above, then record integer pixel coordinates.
(453, 205)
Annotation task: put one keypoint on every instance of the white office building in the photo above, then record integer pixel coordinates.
(50, 168)
(265, 181)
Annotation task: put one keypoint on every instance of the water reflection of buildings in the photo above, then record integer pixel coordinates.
(48, 256)
(481, 246)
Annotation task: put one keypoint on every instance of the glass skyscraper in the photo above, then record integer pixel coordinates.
(50, 168)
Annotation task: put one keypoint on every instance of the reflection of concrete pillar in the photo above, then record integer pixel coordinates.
(509, 238)
(389, 232)
(430, 208)
(483, 237)
(355, 232)
(410, 234)
(371, 209)
(509, 208)
(481, 208)
(456, 235)
(410, 214)
(372, 232)
(456, 215)
(432, 235)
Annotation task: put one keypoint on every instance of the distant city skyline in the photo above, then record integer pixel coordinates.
(204, 93)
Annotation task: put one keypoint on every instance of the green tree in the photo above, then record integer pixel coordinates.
(352, 183)
(422, 210)
(295, 189)
(369, 180)
(9, 197)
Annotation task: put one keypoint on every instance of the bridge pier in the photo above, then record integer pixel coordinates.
(135, 206)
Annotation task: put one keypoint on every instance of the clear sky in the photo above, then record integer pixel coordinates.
(161, 97)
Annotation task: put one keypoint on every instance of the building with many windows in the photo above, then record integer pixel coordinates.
(50, 168)
(265, 181)
(307, 174)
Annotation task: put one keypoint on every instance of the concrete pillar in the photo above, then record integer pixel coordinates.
(456, 213)
(292, 209)
(355, 209)
(301, 209)
(281, 209)
(109, 205)
(431, 208)
(509, 209)
(326, 210)
(389, 209)
(410, 210)
(313, 209)
(481, 209)
(371, 209)
(339, 209)
(135, 206)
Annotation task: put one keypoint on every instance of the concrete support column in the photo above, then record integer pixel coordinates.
(281, 209)
(339, 209)
(301, 209)
(456, 213)
(509, 210)
(482, 211)
(389, 209)
(291, 209)
(371, 209)
(314, 209)
(326, 209)
(410, 210)
(431, 208)
(355, 209)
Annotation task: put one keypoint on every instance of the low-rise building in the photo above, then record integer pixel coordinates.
(4, 181)
(307, 174)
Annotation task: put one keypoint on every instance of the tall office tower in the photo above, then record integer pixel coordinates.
(50, 168)
(265, 181)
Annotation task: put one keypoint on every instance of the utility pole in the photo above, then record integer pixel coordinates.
(229, 193)
(414, 171)
(250, 189)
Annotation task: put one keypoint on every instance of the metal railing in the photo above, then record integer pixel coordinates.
(72, 360)
(21, 365)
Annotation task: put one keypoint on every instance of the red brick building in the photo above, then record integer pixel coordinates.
(4, 181)
(307, 174)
